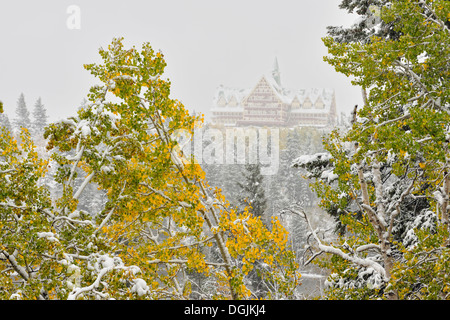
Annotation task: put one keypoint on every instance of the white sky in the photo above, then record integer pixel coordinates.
(205, 43)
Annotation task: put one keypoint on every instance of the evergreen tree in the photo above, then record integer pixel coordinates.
(252, 190)
(22, 113)
(369, 23)
(252, 195)
(39, 117)
(4, 121)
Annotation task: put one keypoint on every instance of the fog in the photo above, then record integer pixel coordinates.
(205, 43)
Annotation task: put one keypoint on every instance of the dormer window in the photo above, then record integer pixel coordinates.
(232, 102)
(295, 104)
(319, 104)
(307, 104)
(222, 102)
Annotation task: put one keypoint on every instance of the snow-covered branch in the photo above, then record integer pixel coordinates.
(436, 18)
(363, 262)
(424, 90)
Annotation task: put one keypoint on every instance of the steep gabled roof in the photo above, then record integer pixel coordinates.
(277, 91)
(284, 95)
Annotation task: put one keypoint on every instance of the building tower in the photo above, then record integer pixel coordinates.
(276, 72)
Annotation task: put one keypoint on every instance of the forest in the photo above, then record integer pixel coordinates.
(106, 204)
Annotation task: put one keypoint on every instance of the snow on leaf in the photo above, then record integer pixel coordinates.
(140, 287)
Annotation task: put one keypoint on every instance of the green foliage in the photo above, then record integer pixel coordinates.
(160, 218)
(23, 224)
(391, 167)
(423, 273)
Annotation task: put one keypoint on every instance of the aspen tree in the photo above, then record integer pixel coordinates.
(386, 178)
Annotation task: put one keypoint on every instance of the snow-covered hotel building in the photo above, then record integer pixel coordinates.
(269, 104)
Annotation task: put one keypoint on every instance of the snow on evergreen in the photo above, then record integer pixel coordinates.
(4, 122)
(39, 117)
(22, 114)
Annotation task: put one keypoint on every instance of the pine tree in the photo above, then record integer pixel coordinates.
(369, 23)
(39, 117)
(252, 190)
(4, 121)
(22, 113)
